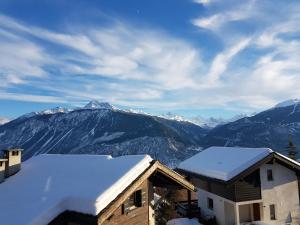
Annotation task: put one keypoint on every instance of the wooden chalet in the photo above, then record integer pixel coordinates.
(129, 197)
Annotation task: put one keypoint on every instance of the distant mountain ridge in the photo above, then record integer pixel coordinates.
(99, 128)
(272, 128)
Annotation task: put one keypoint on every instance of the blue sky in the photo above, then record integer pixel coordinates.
(191, 57)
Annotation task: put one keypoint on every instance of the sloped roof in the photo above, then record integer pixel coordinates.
(47, 185)
(224, 163)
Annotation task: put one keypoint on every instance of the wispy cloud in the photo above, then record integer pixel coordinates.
(120, 53)
(221, 61)
(251, 60)
(217, 20)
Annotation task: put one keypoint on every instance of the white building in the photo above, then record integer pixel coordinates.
(245, 185)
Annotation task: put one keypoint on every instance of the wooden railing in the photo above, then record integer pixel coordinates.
(183, 209)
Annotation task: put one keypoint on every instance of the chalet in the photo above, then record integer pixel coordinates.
(86, 189)
(245, 185)
(10, 163)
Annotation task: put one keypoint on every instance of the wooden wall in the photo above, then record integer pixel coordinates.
(243, 190)
(137, 216)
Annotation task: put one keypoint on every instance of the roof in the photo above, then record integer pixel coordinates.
(13, 149)
(47, 185)
(224, 163)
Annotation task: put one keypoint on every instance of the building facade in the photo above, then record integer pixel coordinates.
(267, 190)
(10, 163)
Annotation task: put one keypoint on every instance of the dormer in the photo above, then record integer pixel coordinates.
(13, 161)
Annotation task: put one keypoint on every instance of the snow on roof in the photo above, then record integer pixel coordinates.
(223, 163)
(47, 185)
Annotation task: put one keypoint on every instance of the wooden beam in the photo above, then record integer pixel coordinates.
(175, 176)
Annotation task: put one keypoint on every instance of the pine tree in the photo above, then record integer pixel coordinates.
(165, 208)
(292, 150)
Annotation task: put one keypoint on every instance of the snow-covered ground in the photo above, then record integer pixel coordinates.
(183, 221)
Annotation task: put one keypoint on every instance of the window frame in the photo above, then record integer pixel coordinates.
(272, 209)
(210, 203)
(15, 153)
(270, 175)
(138, 199)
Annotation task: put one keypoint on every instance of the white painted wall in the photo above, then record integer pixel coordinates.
(218, 210)
(282, 191)
(229, 213)
(245, 213)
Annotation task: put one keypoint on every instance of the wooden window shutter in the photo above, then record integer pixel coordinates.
(144, 197)
(127, 205)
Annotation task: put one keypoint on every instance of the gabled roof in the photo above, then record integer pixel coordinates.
(153, 170)
(50, 184)
(227, 164)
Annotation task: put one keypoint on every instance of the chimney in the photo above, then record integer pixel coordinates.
(13, 161)
(2, 169)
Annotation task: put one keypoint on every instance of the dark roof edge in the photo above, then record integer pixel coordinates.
(286, 160)
(188, 173)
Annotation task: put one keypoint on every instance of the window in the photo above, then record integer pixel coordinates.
(14, 153)
(270, 175)
(138, 198)
(272, 212)
(123, 209)
(1, 164)
(210, 203)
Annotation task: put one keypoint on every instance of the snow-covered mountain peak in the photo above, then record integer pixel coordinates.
(172, 116)
(98, 105)
(55, 110)
(287, 103)
(3, 120)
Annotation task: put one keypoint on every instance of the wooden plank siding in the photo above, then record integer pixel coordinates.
(136, 216)
(248, 188)
(245, 189)
(220, 189)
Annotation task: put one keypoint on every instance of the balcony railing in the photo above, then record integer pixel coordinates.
(183, 209)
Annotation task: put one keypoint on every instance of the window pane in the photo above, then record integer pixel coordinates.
(270, 175)
(272, 212)
(210, 203)
(138, 198)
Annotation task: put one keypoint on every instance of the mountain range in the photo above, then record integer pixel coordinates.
(100, 128)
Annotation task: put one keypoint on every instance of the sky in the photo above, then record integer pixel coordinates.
(190, 57)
